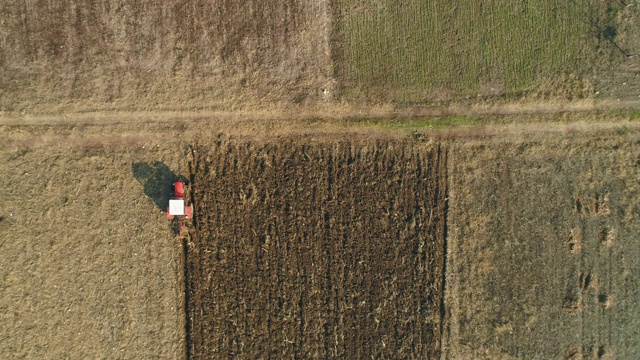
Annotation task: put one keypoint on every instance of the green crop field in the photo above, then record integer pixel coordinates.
(430, 50)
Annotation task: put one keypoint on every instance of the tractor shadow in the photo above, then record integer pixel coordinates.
(157, 180)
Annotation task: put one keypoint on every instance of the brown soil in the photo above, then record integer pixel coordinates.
(317, 249)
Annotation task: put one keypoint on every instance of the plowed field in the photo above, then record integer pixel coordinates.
(327, 249)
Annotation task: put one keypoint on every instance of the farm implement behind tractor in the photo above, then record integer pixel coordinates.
(179, 207)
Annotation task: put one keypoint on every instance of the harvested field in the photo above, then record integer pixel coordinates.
(79, 56)
(88, 267)
(317, 249)
(620, 77)
(543, 247)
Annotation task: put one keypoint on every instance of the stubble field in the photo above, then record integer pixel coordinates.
(81, 56)
(543, 247)
(88, 266)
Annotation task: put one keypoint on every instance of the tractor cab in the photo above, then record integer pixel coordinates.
(179, 206)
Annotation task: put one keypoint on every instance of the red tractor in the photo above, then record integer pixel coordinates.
(179, 206)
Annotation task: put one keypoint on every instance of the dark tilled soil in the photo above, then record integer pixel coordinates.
(328, 249)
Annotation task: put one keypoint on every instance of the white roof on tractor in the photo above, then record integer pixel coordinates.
(176, 207)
